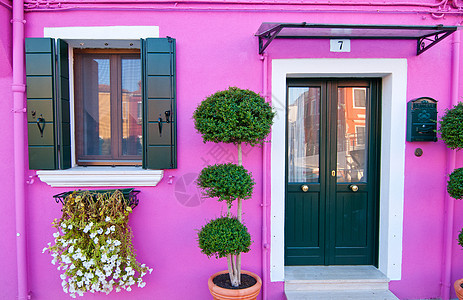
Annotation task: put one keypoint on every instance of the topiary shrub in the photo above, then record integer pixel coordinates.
(451, 125)
(455, 184)
(227, 182)
(234, 116)
(224, 236)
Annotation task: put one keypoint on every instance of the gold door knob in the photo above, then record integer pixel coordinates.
(305, 188)
(353, 187)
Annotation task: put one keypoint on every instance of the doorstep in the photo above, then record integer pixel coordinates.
(336, 282)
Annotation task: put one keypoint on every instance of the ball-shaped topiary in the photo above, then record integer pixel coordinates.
(234, 116)
(226, 182)
(223, 236)
(460, 238)
(455, 184)
(451, 127)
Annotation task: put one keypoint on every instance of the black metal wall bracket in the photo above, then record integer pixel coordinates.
(130, 195)
(426, 42)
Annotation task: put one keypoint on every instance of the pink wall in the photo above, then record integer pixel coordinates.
(216, 50)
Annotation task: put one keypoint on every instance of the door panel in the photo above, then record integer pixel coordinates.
(332, 172)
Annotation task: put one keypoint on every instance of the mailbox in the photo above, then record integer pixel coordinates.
(422, 120)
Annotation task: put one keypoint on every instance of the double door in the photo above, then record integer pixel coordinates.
(332, 172)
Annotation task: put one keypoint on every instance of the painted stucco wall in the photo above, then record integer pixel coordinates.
(217, 49)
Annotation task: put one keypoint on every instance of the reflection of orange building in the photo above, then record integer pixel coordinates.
(130, 109)
(351, 116)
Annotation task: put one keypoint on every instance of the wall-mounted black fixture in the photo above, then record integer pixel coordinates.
(422, 120)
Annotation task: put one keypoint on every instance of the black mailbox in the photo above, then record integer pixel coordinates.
(422, 120)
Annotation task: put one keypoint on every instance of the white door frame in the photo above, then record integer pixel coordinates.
(393, 113)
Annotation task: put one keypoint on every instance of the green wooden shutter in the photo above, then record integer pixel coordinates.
(45, 133)
(159, 103)
(64, 124)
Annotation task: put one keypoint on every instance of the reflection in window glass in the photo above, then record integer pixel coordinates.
(303, 134)
(352, 135)
(97, 107)
(131, 110)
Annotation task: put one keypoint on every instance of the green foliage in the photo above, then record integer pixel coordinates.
(460, 238)
(224, 236)
(455, 184)
(226, 182)
(451, 127)
(234, 116)
(93, 244)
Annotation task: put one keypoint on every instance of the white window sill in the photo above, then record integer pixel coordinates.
(101, 176)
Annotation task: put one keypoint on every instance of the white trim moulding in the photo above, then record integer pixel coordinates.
(101, 176)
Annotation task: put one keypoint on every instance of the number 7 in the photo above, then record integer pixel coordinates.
(340, 44)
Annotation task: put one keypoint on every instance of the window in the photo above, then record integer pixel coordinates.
(107, 92)
(360, 96)
(124, 105)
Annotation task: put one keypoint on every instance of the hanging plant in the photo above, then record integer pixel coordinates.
(93, 245)
(450, 127)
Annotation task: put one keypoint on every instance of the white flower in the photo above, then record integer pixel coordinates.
(56, 234)
(79, 273)
(100, 231)
(95, 240)
(112, 228)
(71, 249)
(70, 226)
(72, 267)
(44, 249)
(63, 276)
(108, 219)
(141, 284)
(129, 289)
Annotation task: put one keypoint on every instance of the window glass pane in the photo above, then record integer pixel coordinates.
(96, 104)
(352, 135)
(303, 134)
(131, 107)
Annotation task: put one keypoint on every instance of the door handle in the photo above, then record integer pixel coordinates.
(354, 187)
(305, 188)
(333, 173)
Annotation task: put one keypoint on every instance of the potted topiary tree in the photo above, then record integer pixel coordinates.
(231, 116)
(451, 131)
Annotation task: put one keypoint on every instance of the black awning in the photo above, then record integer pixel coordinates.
(425, 36)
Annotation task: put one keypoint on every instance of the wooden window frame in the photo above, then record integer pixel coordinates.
(115, 57)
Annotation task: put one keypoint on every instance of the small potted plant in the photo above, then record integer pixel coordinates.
(93, 244)
(451, 131)
(234, 116)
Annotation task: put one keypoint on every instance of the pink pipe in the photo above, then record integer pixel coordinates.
(451, 163)
(345, 3)
(265, 172)
(19, 89)
(437, 14)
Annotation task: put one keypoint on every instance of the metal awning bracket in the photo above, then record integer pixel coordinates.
(426, 42)
(268, 35)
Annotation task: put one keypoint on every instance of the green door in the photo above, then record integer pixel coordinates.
(332, 172)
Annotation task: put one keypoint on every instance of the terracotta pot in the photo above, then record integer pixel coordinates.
(458, 288)
(249, 293)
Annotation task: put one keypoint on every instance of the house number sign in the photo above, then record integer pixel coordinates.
(339, 45)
